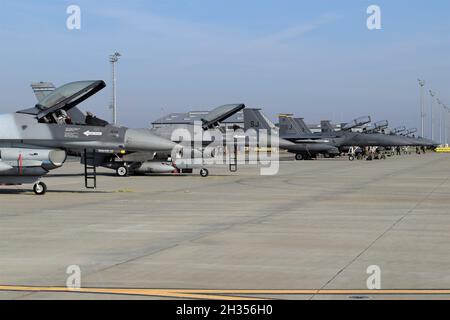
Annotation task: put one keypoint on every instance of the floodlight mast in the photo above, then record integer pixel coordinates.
(114, 58)
(444, 118)
(440, 120)
(422, 106)
(432, 94)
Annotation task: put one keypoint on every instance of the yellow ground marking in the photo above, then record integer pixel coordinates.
(184, 294)
(220, 294)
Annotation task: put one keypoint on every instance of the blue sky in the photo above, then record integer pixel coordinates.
(316, 59)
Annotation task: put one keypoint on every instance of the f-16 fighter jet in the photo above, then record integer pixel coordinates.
(36, 140)
(201, 136)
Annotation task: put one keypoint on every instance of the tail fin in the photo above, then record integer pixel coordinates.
(326, 126)
(42, 89)
(255, 119)
(302, 125)
(287, 124)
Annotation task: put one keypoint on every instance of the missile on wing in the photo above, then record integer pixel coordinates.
(155, 167)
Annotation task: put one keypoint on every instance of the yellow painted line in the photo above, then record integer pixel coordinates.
(186, 294)
(221, 294)
(321, 292)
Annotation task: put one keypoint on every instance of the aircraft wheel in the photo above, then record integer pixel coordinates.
(204, 172)
(122, 171)
(299, 156)
(351, 158)
(39, 188)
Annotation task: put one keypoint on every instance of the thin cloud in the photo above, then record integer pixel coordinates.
(297, 30)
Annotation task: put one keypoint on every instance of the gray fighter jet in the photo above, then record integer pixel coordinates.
(294, 129)
(347, 138)
(305, 149)
(207, 132)
(36, 140)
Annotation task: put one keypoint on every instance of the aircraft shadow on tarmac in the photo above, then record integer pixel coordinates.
(62, 175)
(30, 192)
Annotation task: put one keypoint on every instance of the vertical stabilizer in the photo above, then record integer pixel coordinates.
(302, 125)
(326, 126)
(42, 89)
(255, 119)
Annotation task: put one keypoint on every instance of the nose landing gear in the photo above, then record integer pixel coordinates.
(40, 188)
(204, 172)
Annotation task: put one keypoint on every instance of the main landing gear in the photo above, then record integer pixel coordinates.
(122, 171)
(300, 156)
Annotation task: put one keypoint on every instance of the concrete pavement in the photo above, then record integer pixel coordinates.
(315, 225)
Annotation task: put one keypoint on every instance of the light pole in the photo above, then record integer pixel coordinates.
(113, 59)
(422, 106)
(432, 94)
(444, 118)
(439, 118)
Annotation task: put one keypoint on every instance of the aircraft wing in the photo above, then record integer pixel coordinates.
(319, 140)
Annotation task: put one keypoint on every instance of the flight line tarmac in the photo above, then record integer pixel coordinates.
(317, 225)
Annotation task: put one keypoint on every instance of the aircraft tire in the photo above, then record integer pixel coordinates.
(122, 171)
(298, 156)
(351, 158)
(39, 188)
(204, 172)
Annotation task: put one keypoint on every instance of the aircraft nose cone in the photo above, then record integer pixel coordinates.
(144, 140)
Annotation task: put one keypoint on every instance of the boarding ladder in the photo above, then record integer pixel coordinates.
(233, 157)
(90, 170)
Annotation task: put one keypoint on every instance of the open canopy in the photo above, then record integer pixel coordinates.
(66, 97)
(357, 123)
(220, 113)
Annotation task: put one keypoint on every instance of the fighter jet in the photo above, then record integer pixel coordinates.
(345, 138)
(36, 140)
(418, 141)
(200, 137)
(305, 149)
(294, 129)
